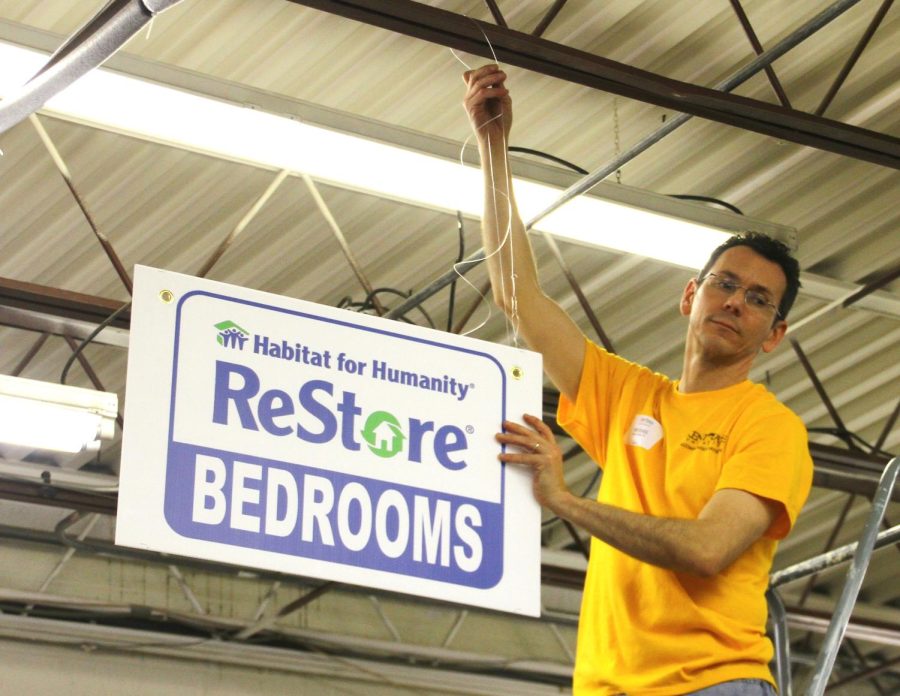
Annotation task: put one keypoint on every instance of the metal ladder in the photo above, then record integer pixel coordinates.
(861, 553)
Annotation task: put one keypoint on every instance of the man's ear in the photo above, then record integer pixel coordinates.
(777, 332)
(687, 297)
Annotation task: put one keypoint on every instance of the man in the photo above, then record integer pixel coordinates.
(702, 475)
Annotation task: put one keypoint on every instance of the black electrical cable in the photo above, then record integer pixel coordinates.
(843, 435)
(404, 295)
(368, 304)
(706, 199)
(102, 325)
(576, 168)
(460, 229)
(850, 439)
(552, 158)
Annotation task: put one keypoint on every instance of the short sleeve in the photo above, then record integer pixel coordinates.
(770, 458)
(586, 418)
(606, 387)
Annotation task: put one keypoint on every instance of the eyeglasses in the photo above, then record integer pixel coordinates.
(754, 299)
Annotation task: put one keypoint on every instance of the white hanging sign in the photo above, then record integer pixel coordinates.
(279, 434)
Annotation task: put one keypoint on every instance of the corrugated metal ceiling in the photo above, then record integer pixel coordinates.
(170, 208)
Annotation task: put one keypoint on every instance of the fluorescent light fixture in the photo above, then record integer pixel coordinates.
(45, 416)
(151, 111)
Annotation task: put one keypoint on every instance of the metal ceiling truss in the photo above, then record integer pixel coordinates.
(854, 56)
(546, 57)
(763, 61)
(71, 315)
(195, 637)
(757, 46)
(86, 49)
(63, 169)
(121, 19)
(30, 609)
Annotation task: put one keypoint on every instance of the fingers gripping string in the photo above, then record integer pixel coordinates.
(512, 321)
(456, 55)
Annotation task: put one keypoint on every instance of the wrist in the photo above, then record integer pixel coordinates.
(562, 504)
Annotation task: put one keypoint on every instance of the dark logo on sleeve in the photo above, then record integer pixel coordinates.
(709, 442)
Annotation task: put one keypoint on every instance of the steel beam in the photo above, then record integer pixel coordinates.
(496, 13)
(845, 470)
(539, 55)
(61, 312)
(262, 624)
(817, 384)
(40, 494)
(82, 205)
(757, 46)
(869, 673)
(595, 177)
(92, 44)
(548, 18)
(226, 243)
(29, 356)
(57, 302)
(872, 286)
(878, 632)
(341, 239)
(857, 52)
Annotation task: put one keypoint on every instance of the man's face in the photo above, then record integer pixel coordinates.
(726, 327)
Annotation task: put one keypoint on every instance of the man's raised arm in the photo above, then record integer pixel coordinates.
(516, 289)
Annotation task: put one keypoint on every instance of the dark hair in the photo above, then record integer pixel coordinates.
(774, 251)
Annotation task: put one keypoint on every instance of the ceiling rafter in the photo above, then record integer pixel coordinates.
(37, 347)
(854, 56)
(757, 46)
(539, 55)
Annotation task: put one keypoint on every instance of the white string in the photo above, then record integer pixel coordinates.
(465, 64)
(506, 240)
(512, 322)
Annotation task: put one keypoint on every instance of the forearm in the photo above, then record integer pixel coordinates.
(545, 327)
(729, 523)
(683, 545)
(505, 241)
(510, 260)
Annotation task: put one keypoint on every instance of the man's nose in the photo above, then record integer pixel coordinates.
(735, 302)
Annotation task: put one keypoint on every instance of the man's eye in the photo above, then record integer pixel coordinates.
(757, 300)
(728, 285)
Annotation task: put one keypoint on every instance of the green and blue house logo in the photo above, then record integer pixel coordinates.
(231, 335)
(383, 434)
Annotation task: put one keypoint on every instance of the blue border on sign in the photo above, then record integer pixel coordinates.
(178, 486)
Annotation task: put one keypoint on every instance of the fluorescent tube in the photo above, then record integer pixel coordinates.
(54, 417)
(151, 111)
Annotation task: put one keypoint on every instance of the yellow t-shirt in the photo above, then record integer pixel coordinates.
(645, 630)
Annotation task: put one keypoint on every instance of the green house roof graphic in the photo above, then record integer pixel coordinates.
(383, 434)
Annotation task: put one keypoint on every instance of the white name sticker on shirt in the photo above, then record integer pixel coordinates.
(645, 432)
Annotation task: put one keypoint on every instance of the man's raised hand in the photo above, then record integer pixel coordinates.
(487, 102)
